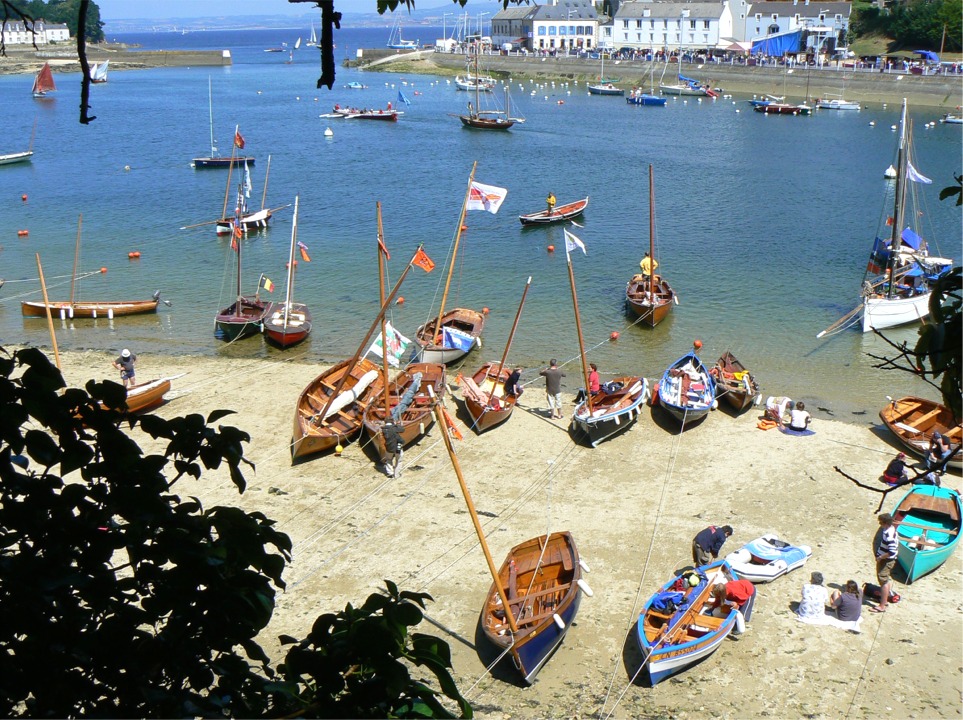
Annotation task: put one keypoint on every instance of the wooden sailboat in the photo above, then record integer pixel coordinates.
(486, 119)
(249, 221)
(914, 420)
(331, 407)
(687, 390)
(290, 322)
(484, 393)
(147, 395)
(536, 593)
(453, 333)
(214, 160)
(650, 297)
(87, 308)
(735, 383)
(617, 404)
(406, 399)
(44, 83)
(244, 317)
(98, 73)
(928, 525)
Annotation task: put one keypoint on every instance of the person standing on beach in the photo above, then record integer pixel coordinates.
(884, 548)
(394, 448)
(125, 363)
(707, 544)
(553, 388)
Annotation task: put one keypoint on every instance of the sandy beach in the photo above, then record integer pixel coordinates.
(633, 505)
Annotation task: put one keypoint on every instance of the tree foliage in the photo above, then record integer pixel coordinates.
(123, 599)
(913, 25)
(64, 11)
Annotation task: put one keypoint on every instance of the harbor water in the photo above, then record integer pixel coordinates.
(763, 223)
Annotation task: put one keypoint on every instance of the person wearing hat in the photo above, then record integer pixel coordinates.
(939, 450)
(125, 363)
(895, 472)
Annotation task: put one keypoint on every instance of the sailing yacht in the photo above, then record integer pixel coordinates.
(220, 161)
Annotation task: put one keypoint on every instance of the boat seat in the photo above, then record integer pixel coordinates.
(909, 409)
(923, 419)
(551, 557)
(942, 506)
(907, 428)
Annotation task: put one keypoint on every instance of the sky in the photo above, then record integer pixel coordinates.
(124, 9)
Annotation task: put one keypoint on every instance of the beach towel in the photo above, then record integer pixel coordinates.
(827, 619)
(798, 433)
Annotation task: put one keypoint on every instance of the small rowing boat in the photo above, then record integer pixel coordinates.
(734, 383)
(914, 420)
(928, 526)
(687, 390)
(559, 213)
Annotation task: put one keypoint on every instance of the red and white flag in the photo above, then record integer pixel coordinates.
(485, 197)
(238, 139)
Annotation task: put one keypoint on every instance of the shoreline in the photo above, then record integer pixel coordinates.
(633, 504)
(63, 59)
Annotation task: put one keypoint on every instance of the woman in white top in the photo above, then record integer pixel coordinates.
(815, 597)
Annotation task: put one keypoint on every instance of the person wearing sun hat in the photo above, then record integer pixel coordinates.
(125, 363)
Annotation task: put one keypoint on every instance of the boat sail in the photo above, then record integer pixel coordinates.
(901, 294)
(617, 404)
(290, 322)
(98, 73)
(313, 40)
(649, 296)
(214, 160)
(44, 82)
(535, 594)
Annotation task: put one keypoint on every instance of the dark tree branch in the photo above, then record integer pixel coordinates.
(85, 119)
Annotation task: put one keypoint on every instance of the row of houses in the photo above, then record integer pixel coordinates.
(16, 32)
(647, 25)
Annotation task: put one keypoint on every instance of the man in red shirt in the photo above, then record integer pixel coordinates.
(737, 594)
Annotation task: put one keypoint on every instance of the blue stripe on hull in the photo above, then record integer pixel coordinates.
(535, 652)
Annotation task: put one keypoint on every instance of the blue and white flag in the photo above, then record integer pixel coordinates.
(247, 181)
(913, 174)
(456, 339)
(402, 98)
(572, 242)
(397, 343)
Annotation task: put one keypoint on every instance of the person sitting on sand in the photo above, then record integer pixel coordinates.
(799, 419)
(848, 604)
(895, 472)
(815, 597)
(778, 409)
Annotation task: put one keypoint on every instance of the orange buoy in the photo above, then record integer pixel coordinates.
(464, 227)
(24, 197)
(614, 335)
(551, 248)
(400, 301)
(103, 270)
(134, 255)
(561, 102)
(22, 233)
(484, 311)
(287, 265)
(697, 344)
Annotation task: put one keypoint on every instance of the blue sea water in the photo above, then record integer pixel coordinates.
(763, 224)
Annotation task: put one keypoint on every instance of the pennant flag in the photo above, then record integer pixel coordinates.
(572, 242)
(247, 180)
(913, 174)
(304, 251)
(456, 339)
(384, 248)
(890, 221)
(397, 344)
(238, 139)
(422, 260)
(267, 284)
(402, 98)
(452, 428)
(485, 197)
(879, 258)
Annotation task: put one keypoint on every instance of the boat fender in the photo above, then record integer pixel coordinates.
(110, 313)
(94, 314)
(63, 313)
(715, 404)
(421, 428)
(478, 342)
(584, 565)
(558, 621)
(585, 587)
(23, 233)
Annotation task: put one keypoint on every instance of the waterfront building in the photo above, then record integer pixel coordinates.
(570, 26)
(18, 34)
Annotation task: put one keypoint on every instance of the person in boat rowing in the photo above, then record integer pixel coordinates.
(550, 202)
(125, 363)
(648, 265)
(394, 447)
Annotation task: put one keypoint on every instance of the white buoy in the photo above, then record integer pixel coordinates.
(558, 621)
(585, 587)
(328, 132)
(110, 313)
(872, 123)
(584, 565)
(63, 313)
(893, 128)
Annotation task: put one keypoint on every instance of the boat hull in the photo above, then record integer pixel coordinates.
(928, 524)
(913, 420)
(312, 435)
(477, 395)
(682, 90)
(560, 213)
(880, 313)
(693, 405)
(606, 89)
(537, 594)
(249, 223)
(221, 162)
(94, 310)
(646, 99)
(638, 304)
(734, 383)
(148, 395)
(241, 319)
(483, 123)
(296, 330)
(613, 410)
(469, 323)
(672, 643)
(782, 109)
(13, 158)
(418, 418)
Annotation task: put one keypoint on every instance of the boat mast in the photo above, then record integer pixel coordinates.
(381, 296)
(454, 251)
(578, 328)
(237, 241)
(652, 239)
(267, 172)
(357, 356)
(210, 114)
(443, 424)
(477, 79)
(46, 304)
(511, 336)
(73, 276)
(294, 237)
(230, 171)
(898, 204)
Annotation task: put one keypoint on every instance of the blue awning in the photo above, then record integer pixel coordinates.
(928, 55)
(777, 45)
(911, 238)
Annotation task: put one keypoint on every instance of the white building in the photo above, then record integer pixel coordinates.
(563, 25)
(16, 33)
(825, 25)
(670, 26)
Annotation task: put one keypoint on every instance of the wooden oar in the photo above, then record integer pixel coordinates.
(841, 320)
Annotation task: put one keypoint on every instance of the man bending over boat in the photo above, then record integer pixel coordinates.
(125, 363)
(738, 594)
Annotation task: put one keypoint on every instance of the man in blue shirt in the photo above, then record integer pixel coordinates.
(707, 544)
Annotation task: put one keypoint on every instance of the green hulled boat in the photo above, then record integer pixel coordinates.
(928, 523)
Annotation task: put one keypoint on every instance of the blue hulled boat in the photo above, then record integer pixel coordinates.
(687, 390)
(928, 524)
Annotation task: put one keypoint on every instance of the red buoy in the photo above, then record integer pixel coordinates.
(134, 255)
(551, 248)
(400, 301)
(24, 197)
(697, 344)
(22, 233)
(614, 335)
(103, 271)
(464, 227)
(484, 311)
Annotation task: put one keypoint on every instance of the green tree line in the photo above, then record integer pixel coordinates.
(913, 25)
(63, 11)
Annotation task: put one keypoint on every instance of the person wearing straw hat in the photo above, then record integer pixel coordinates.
(125, 363)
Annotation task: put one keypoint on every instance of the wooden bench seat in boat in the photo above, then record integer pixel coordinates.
(552, 556)
(928, 503)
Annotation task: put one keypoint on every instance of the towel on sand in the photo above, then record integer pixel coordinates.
(827, 619)
(798, 433)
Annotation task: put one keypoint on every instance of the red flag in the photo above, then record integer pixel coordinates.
(233, 243)
(238, 139)
(384, 249)
(304, 251)
(422, 260)
(890, 221)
